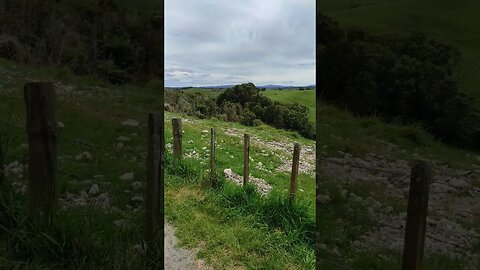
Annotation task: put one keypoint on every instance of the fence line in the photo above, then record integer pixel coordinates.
(415, 233)
(42, 137)
(397, 173)
(246, 157)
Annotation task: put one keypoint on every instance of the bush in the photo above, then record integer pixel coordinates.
(248, 117)
(88, 37)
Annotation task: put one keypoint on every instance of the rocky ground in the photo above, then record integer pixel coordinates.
(453, 204)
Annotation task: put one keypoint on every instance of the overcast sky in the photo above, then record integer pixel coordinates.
(215, 42)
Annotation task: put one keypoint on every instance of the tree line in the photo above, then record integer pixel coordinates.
(242, 103)
(87, 37)
(402, 79)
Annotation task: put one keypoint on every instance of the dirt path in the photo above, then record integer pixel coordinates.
(178, 258)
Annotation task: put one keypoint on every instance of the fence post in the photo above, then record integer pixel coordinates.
(246, 158)
(41, 127)
(294, 176)
(154, 181)
(421, 177)
(212, 155)
(177, 138)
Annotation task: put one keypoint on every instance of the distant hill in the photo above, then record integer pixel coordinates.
(269, 86)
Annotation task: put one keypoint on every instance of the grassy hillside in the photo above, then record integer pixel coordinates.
(454, 22)
(231, 227)
(94, 229)
(304, 97)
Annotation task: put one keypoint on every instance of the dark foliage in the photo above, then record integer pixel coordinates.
(401, 79)
(257, 106)
(242, 103)
(89, 37)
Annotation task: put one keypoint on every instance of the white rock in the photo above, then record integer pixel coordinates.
(16, 170)
(13, 164)
(84, 156)
(127, 176)
(93, 189)
(323, 199)
(83, 194)
(60, 125)
(103, 197)
(123, 139)
(120, 223)
(136, 185)
(131, 123)
(137, 198)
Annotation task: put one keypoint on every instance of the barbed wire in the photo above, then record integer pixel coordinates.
(427, 235)
(334, 263)
(90, 144)
(397, 173)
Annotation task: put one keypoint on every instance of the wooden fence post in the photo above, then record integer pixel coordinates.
(154, 181)
(294, 176)
(41, 127)
(177, 138)
(212, 155)
(246, 158)
(421, 177)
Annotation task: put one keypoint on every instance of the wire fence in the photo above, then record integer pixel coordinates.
(401, 173)
(398, 174)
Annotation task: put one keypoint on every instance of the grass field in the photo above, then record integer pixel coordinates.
(453, 22)
(304, 97)
(234, 231)
(232, 228)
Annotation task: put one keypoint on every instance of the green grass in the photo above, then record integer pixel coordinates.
(235, 234)
(289, 96)
(83, 237)
(454, 22)
(230, 223)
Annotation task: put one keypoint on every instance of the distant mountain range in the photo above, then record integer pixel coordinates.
(269, 86)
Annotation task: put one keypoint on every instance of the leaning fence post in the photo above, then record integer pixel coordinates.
(421, 177)
(294, 176)
(246, 158)
(177, 137)
(154, 181)
(41, 127)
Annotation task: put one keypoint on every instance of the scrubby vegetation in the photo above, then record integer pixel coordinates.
(402, 79)
(102, 38)
(243, 103)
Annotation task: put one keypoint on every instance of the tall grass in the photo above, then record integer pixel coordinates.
(272, 211)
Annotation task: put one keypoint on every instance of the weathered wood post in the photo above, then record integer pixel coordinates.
(421, 177)
(294, 176)
(246, 158)
(177, 138)
(212, 156)
(154, 181)
(41, 127)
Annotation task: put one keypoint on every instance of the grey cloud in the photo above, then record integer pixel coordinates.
(222, 42)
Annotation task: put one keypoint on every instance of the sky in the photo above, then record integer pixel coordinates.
(217, 42)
